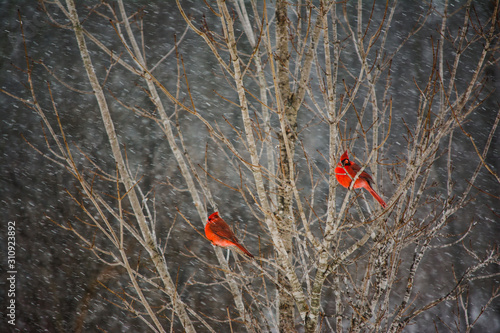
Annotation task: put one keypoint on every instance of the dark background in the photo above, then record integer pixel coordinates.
(56, 275)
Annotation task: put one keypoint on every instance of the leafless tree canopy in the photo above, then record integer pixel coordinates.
(245, 107)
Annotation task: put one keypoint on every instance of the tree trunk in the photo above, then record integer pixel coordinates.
(286, 139)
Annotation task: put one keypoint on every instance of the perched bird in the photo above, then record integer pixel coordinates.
(347, 170)
(220, 234)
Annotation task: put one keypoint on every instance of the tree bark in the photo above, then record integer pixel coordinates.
(289, 121)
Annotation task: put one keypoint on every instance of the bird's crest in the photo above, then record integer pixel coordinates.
(344, 158)
(213, 216)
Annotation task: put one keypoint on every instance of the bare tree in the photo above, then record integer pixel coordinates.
(305, 82)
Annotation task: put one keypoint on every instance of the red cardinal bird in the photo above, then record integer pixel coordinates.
(219, 233)
(364, 179)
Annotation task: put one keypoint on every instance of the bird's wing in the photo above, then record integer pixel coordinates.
(223, 231)
(354, 169)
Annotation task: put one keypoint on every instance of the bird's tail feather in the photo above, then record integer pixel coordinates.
(245, 251)
(376, 196)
